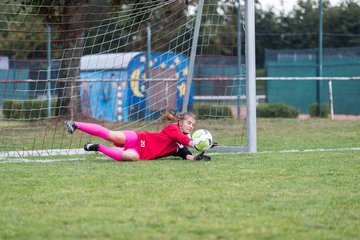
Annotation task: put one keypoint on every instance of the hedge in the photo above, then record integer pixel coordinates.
(276, 110)
(208, 111)
(314, 110)
(28, 109)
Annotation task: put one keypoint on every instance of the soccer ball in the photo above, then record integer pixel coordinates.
(202, 139)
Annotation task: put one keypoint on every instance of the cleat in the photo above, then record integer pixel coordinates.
(91, 147)
(71, 127)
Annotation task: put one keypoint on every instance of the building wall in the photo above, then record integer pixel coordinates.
(302, 93)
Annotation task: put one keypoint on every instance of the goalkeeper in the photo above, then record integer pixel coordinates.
(173, 140)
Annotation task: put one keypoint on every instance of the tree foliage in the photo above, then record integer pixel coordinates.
(300, 27)
(293, 30)
(82, 27)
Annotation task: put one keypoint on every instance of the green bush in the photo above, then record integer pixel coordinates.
(314, 110)
(276, 110)
(27, 109)
(207, 111)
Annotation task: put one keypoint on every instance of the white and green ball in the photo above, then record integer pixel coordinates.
(202, 139)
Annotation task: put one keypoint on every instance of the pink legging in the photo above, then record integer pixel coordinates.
(102, 132)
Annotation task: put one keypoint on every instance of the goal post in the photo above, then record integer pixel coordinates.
(121, 66)
(251, 76)
(251, 101)
(193, 54)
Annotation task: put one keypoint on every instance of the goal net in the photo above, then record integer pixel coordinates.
(120, 66)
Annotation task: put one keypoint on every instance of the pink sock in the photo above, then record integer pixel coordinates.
(93, 129)
(113, 152)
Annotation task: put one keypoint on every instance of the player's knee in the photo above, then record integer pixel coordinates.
(130, 155)
(117, 137)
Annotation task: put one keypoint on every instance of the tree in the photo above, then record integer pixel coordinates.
(80, 27)
(73, 33)
(67, 20)
(299, 28)
(342, 25)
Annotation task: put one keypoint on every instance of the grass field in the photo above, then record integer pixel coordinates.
(278, 193)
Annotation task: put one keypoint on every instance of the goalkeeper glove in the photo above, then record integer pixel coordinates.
(202, 157)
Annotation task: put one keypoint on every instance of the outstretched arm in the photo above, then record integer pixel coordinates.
(184, 153)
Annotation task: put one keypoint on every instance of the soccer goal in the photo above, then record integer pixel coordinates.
(121, 66)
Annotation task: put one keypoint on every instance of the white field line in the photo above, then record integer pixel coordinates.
(53, 152)
(316, 150)
(301, 151)
(25, 160)
(20, 156)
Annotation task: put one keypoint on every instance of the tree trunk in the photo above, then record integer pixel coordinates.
(73, 37)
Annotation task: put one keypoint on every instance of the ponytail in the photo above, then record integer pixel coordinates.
(172, 117)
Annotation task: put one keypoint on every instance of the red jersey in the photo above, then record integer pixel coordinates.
(154, 145)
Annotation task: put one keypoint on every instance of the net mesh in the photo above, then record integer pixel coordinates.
(120, 66)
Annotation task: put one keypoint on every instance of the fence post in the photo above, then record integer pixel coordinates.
(331, 99)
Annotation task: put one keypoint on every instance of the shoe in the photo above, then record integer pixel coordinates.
(71, 127)
(91, 147)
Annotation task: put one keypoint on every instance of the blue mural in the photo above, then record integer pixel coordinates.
(115, 89)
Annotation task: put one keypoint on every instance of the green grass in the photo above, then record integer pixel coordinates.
(286, 134)
(273, 134)
(273, 195)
